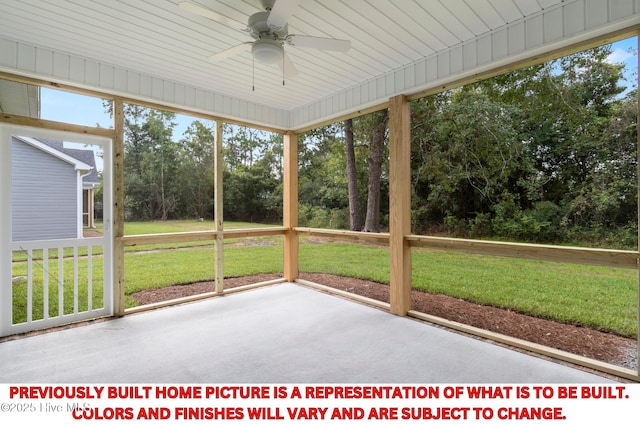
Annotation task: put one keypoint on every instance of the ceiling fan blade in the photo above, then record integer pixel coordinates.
(244, 47)
(208, 13)
(322, 43)
(287, 66)
(281, 12)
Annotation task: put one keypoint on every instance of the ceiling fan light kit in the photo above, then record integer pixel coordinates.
(267, 51)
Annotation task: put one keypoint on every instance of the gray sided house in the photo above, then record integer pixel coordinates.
(51, 189)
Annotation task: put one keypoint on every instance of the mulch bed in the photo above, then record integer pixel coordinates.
(577, 340)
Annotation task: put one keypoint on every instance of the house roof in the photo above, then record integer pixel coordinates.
(157, 51)
(82, 159)
(86, 156)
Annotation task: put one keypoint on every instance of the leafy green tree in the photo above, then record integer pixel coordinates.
(467, 156)
(149, 163)
(537, 154)
(195, 171)
(253, 175)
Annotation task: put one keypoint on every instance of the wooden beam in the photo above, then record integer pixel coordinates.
(400, 204)
(290, 206)
(199, 297)
(118, 208)
(218, 206)
(359, 236)
(55, 85)
(574, 255)
(162, 238)
(199, 236)
(528, 346)
(58, 126)
(254, 232)
(129, 100)
(345, 294)
(358, 113)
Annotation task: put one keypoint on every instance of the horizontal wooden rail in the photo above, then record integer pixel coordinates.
(575, 255)
(197, 236)
(380, 238)
(568, 254)
(253, 232)
(345, 294)
(155, 239)
(198, 297)
(529, 346)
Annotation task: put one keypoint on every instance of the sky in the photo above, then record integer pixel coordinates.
(88, 111)
(625, 52)
(84, 110)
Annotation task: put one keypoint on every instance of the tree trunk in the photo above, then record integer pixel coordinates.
(355, 222)
(376, 152)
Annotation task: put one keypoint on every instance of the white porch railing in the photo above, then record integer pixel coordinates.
(57, 282)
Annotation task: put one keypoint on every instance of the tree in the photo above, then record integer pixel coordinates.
(474, 158)
(352, 177)
(323, 187)
(375, 129)
(149, 163)
(196, 158)
(536, 154)
(253, 175)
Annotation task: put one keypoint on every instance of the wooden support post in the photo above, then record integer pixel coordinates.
(290, 206)
(218, 219)
(118, 208)
(400, 204)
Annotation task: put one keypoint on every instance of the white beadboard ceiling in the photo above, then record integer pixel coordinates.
(156, 51)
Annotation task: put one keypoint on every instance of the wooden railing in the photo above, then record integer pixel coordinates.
(379, 238)
(575, 255)
(198, 236)
(569, 254)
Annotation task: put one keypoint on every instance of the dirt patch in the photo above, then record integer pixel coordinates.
(577, 340)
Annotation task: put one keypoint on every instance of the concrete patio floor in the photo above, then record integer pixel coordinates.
(284, 333)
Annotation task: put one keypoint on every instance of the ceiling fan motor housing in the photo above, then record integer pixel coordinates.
(268, 45)
(259, 27)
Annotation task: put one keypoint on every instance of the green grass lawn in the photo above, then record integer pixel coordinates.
(599, 297)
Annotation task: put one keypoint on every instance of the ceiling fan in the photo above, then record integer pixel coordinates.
(270, 32)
